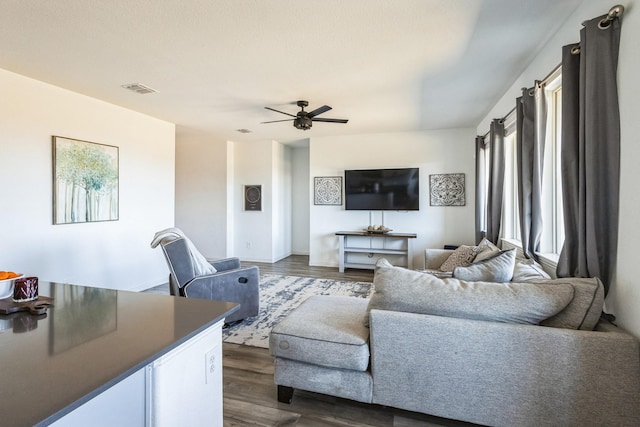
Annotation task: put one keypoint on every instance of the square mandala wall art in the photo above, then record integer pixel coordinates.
(447, 189)
(327, 190)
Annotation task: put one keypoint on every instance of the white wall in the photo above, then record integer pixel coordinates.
(624, 297)
(230, 199)
(434, 152)
(282, 203)
(262, 236)
(252, 231)
(300, 201)
(210, 180)
(114, 254)
(201, 183)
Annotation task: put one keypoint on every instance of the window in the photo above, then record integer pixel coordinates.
(553, 233)
(553, 223)
(510, 217)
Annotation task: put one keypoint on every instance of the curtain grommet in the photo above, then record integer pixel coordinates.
(615, 12)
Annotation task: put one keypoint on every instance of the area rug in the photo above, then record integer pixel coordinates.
(281, 294)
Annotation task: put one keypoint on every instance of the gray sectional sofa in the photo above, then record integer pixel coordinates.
(470, 351)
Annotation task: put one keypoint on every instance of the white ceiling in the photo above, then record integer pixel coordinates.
(387, 66)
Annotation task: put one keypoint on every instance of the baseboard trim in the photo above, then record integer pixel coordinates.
(306, 253)
(313, 264)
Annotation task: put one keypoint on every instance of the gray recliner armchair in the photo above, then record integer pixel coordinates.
(229, 283)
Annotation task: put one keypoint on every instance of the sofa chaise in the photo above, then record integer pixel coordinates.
(499, 354)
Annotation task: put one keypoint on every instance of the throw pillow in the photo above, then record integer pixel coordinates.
(401, 289)
(498, 268)
(486, 249)
(463, 255)
(526, 270)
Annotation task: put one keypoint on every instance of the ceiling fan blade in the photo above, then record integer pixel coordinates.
(317, 111)
(276, 121)
(330, 120)
(278, 111)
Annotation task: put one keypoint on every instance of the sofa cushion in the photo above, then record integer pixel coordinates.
(324, 330)
(438, 273)
(584, 310)
(498, 268)
(400, 289)
(526, 270)
(485, 250)
(463, 255)
(434, 258)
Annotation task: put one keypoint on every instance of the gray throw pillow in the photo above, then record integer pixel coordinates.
(401, 289)
(463, 255)
(498, 268)
(526, 270)
(485, 250)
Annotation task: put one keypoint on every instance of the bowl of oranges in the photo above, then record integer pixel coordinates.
(6, 283)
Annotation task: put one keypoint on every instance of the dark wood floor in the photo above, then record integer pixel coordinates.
(298, 265)
(250, 393)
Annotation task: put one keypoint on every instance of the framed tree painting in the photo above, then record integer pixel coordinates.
(85, 181)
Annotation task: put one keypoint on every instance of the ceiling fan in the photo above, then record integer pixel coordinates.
(304, 119)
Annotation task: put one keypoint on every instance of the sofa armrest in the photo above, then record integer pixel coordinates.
(465, 369)
(225, 264)
(434, 258)
(241, 286)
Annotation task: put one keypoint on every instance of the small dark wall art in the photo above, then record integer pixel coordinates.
(327, 190)
(447, 189)
(253, 197)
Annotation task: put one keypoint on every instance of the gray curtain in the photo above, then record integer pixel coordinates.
(531, 119)
(481, 192)
(496, 180)
(590, 153)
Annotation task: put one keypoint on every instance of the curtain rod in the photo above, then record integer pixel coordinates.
(615, 12)
(501, 119)
(550, 76)
(541, 83)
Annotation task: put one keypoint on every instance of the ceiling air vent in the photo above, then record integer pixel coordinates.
(243, 130)
(139, 88)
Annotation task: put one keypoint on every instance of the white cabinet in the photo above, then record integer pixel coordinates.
(186, 383)
(122, 405)
(183, 387)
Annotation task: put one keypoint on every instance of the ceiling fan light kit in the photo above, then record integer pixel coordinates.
(304, 119)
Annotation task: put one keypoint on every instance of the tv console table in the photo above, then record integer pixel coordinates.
(396, 245)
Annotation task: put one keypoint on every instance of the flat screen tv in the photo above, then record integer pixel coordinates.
(382, 189)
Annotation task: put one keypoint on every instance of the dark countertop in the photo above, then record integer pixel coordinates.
(91, 339)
